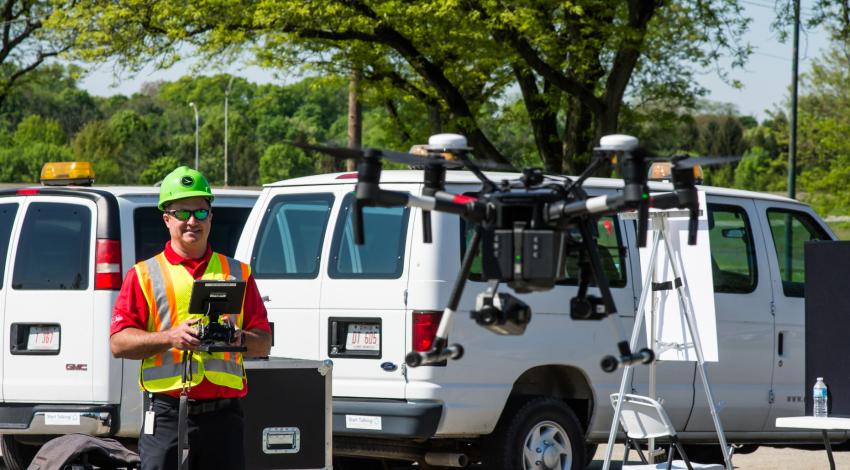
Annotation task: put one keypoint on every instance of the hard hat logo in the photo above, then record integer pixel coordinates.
(182, 183)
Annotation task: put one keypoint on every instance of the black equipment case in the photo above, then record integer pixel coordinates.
(288, 414)
(827, 310)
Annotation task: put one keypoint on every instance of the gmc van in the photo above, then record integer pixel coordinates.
(63, 255)
(511, 398)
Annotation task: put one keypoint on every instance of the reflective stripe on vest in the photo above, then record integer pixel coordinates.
(167, 288)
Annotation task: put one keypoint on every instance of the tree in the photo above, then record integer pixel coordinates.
(759, 171)
(96, 143)
(35, 128)
(574, 63)
(23, 164)
(25, 43)
(158, 169)
(281, 162)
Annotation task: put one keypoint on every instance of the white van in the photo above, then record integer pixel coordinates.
(63, 255)
(513, 397)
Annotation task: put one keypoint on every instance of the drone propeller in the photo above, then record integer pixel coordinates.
(688, 161)
(345, 153)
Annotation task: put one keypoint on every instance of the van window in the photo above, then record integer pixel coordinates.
(54, 246)
(382, 256)
(610, 250)
(790, 231)
(733, 258)
(7, 220)
(290, 242)
(151, 234)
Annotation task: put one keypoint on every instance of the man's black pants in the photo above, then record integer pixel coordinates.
(215, 436)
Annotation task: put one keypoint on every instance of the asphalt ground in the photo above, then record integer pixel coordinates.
(764, 458)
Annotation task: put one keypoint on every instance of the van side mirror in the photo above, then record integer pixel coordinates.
(737, 233)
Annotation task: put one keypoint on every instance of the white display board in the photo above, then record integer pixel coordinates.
(673, 340)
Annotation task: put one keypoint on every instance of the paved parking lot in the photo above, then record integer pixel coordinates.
(764, 458)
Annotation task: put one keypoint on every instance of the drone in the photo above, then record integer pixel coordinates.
(524, 228)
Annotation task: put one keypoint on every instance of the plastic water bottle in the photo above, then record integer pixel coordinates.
(819, 397)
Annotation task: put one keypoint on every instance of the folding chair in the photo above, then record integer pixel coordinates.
(645, 418)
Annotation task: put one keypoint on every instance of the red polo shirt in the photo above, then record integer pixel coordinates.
(131, 311)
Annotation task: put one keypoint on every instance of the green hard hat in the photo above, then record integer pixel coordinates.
(183, 183)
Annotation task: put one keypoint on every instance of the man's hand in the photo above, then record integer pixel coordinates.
(134, 343)
(185, 335)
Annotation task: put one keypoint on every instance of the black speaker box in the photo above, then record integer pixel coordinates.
(828, 322)
(288, 414)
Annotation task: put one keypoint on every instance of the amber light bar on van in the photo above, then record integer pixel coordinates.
(107, 264)
(425, 324)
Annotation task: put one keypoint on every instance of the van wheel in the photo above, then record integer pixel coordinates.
(589, 451)
(16, 455)
(543, 434)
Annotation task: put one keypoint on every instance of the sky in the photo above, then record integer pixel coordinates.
(766, 78)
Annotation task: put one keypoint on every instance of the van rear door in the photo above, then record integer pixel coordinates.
(788, 227)
(742, 297)
(9, 209)
(285, 260)
(362, 326)
(49, 303)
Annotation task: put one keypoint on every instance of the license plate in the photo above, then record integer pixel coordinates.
(362, 337)
(43, 338)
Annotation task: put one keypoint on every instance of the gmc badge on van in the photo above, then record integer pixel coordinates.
(81, 367)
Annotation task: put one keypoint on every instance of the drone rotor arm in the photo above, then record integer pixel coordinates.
(664, 201)
(440, 351)
(598, 205)
(596, 268)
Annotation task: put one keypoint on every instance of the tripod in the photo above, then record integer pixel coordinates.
(661, 225)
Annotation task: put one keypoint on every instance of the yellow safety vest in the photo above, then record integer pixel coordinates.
(167, 288)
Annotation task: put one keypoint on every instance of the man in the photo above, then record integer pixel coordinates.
(151, 322)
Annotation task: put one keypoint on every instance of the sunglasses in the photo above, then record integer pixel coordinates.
(184, 214)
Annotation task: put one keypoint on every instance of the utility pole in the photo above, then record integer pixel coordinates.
(226, 96)
(792, 144)
(355, 117)
(197, 135)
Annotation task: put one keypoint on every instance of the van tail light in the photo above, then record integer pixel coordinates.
(107, 264)
(425, 325)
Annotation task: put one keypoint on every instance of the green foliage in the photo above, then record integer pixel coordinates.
(575, 62)
(759, 171)
(35, 128)
(51, 92)
(96, 143)
(841, 229)
(281, 162)
(23, 164)
(157, 169)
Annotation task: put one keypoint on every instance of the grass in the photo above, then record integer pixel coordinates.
(841, 229)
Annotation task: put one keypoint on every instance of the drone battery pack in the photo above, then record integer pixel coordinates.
(538, 257)
(497, 255)
(288, 414)
(543, 255)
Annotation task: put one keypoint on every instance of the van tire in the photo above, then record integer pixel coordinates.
(16, 455)
(534, 424)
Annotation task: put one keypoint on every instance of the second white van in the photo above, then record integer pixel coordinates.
(511, 399)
